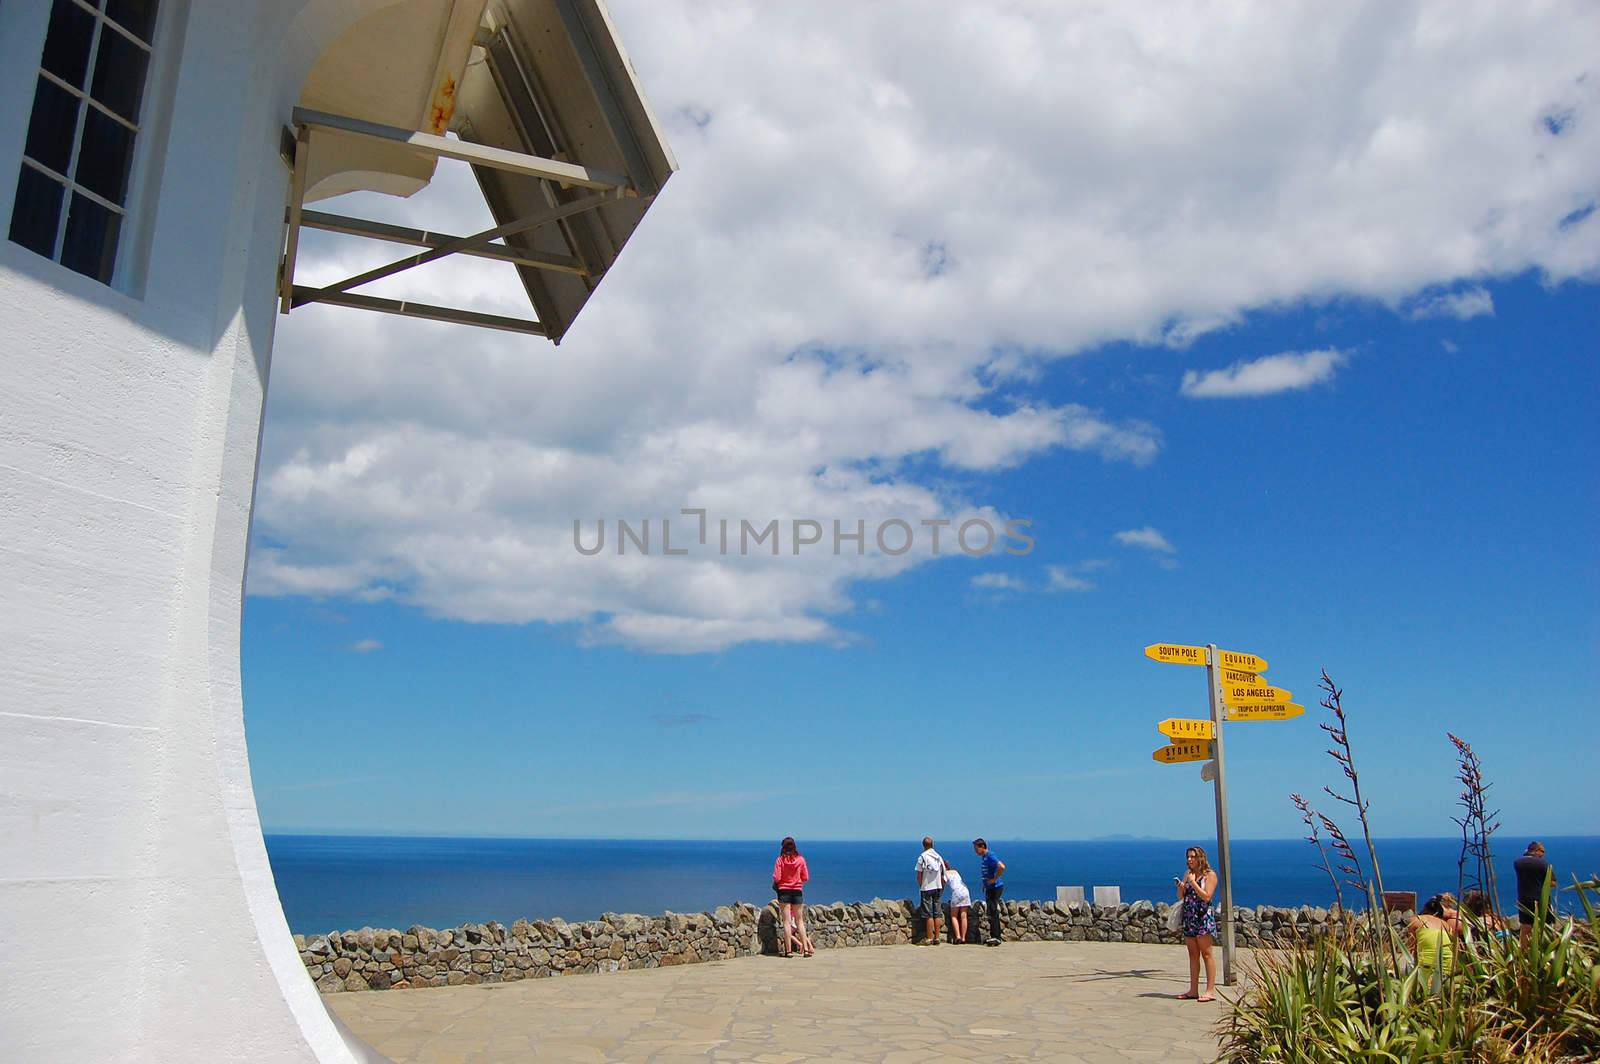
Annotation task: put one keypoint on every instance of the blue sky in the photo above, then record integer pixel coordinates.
(1423, 526)
(1288, 345)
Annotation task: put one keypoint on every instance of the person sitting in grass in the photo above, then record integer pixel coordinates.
(1431, 936)
(1481, 917)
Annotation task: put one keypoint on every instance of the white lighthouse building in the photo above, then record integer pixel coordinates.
(158, 161)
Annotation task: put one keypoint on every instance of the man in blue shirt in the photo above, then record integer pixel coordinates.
(993, 887)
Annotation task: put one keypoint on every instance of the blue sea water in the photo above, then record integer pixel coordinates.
(332, 883)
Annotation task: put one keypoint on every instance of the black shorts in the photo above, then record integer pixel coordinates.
(789, 897)
(929, 909)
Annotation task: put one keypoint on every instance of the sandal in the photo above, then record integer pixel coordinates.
(1187, 995)
(1206, 997)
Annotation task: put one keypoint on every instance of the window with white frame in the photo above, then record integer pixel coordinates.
(77, 162)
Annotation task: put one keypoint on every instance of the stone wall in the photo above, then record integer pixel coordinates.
(371, 959)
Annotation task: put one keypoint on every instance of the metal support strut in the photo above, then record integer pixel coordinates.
(608, 187)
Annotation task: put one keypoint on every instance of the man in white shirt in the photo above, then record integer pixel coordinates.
(930, 882)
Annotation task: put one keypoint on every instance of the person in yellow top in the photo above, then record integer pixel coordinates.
(1432, 935)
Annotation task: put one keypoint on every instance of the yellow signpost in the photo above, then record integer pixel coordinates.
(1238, 694)
(1178, 654)
(1232, 659)
(1266, 711)
(1236, 691)
(1177, 753)
(1177, 728)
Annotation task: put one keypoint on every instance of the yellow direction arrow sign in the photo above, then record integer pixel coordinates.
(1178, 654)
(1177, 728)
(1265, 711)
(1232, 659)
(1238, 694)
(1240, 676)
(1176, 753)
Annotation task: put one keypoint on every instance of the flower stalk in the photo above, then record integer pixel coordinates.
(1344, 755)
(1309, 816)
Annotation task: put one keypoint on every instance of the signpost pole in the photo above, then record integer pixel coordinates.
(1224, 856)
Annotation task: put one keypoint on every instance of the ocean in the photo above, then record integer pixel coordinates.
(333, 883)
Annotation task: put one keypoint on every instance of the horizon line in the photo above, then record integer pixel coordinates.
(340, 833)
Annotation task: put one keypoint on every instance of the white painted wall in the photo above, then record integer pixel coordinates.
(138, 917)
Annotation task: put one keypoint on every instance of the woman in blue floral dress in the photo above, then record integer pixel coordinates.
(1195, 890)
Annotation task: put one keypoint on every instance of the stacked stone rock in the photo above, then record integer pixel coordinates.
(371, 959)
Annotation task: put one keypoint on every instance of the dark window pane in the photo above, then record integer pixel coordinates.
(104, 156)
(136, 16)
(36, 211)
(90, 246)
(119, 74)
(52, 126)
(66, 45)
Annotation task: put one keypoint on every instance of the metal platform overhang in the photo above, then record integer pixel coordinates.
(565, 150)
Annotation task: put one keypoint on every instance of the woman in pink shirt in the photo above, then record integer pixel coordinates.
(789, 875)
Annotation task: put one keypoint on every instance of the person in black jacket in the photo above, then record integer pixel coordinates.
(1534, 875)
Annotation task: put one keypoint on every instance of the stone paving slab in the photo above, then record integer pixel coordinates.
(1076, 1002)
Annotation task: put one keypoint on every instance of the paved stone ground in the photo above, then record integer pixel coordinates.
(1081, 1002)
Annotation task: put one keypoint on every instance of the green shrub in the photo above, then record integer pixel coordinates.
(1343, 998)
(1332, 1002)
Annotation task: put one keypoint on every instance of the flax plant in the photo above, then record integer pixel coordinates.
(1335, 1000)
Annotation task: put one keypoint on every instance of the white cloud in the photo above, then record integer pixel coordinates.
(1062, 578)
(841, 306)
(1181, 334)
(1289, 371)
(998, 582)
(365, 646)
(1463, 305)
(1147, 538)
(1058, 578)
